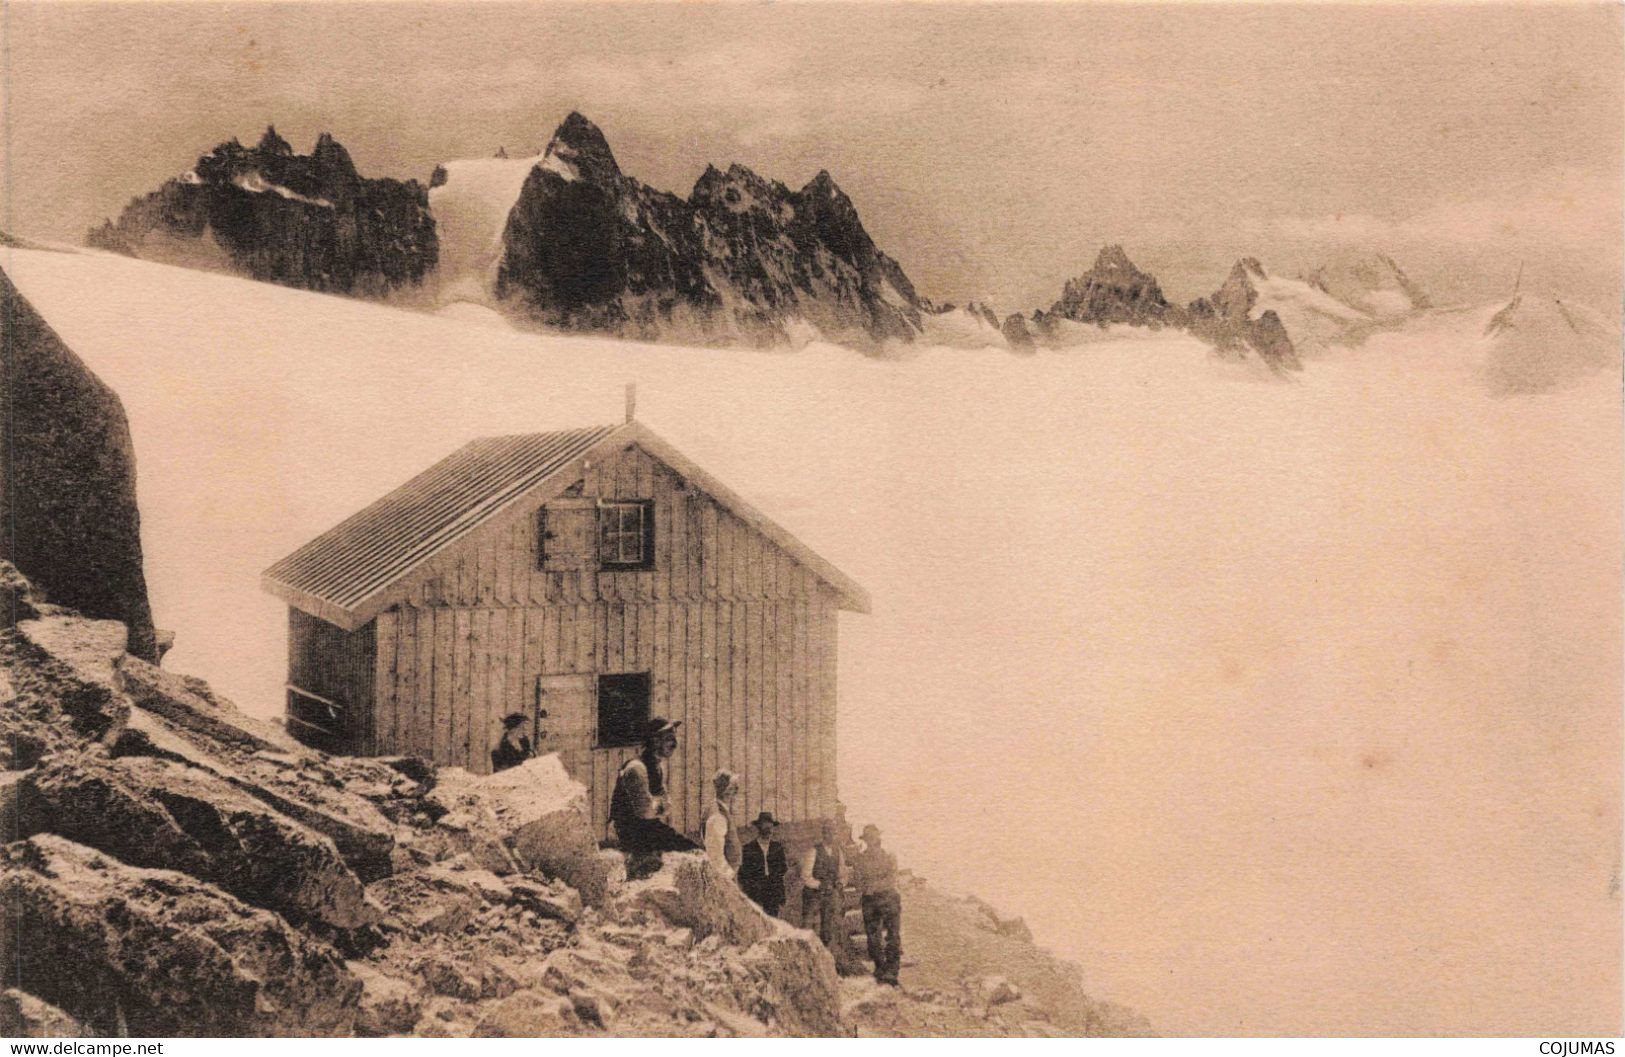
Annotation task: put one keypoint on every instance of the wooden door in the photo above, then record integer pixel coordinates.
(564, 718)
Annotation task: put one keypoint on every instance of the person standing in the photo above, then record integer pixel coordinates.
(721, 840)
(823, 872)
(514, 748)
(762, 867)
(640, 806)
(875, 871)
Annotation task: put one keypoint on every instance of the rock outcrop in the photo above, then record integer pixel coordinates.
(157, 953)
(1114, 291)
(67, 494)
(22, 1016)
(1229, 321)
(544, 818)
(308, 221)
(161, 814)
(1016, 334)
(742, 259)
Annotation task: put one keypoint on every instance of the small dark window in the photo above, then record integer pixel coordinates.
(623, 708)
(626, 535)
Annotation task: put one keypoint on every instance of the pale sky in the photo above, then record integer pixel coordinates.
(990, 149)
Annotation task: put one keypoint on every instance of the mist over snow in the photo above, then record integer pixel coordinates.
(1183, 664)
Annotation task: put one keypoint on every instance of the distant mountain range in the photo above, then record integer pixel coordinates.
(565, 239)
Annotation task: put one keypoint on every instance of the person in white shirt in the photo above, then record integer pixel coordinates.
(721, 839)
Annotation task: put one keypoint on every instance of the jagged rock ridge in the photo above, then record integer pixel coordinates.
(742, 259)
(1226, 319)
(309, 221)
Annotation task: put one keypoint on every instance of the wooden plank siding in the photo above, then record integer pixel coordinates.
(738, 636)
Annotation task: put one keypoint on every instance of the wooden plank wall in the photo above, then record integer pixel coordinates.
(738, 636)
(338, 665)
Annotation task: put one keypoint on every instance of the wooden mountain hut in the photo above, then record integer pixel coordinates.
(587, 579)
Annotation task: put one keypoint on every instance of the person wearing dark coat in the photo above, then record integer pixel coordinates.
(762, 867)
(514, 748)
(639, 807)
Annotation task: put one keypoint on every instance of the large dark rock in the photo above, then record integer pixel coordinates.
(156, 953)
(161, 814)
(1016, 334)
(1114, 291)
(309, 221)
(67, 492)
(741, 259)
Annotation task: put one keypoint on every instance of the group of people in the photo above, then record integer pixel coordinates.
(825, 869)
(639, 810)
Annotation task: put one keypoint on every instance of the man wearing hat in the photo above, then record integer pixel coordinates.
(762, 867)
(514, 748)
(874, 870)
(640, 806)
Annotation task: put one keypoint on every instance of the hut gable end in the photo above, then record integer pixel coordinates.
(552, 550)
(527, 520)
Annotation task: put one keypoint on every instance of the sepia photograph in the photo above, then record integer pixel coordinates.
(722, 519)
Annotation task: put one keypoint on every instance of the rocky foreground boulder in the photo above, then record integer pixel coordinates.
(135, 951)
(160, 813)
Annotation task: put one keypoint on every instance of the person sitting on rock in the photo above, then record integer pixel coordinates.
(514, 748)
(874, 869)
(640, 807)
(721, 841)
(762, 867)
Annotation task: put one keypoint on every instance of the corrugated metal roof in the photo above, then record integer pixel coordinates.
(371, 550)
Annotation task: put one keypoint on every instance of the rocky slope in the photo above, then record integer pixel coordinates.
(173, 867)
(742, 259)
(310, 221)
(67, 494)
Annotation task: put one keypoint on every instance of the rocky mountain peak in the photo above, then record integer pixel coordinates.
(306, 220)
(741, 259)
(583, 151)
(1237, 295)
(737, 190)
(331, 160)
(1112, 258)
(823, 186)
(1113, 291)
(271, 143)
